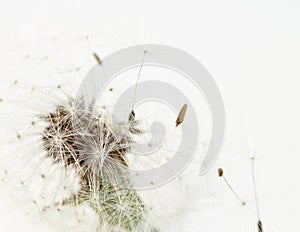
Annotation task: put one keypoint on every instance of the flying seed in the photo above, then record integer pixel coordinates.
(138, 78)
(220, 172)
(259, 223)
(97, 58)
(181, 115)
(259, 226)
(131, 116)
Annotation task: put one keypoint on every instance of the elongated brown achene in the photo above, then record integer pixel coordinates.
(259, 226)
(97, 58)
(181, 115)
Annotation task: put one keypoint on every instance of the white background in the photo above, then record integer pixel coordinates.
(252, 50)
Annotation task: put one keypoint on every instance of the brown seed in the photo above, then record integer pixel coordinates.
(181, 115)
(220, 172)
(259, 226)
(97, 58)
(131, 117)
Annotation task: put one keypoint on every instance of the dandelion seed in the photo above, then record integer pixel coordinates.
(259, 226)
(131, 117)
(221, 174)
(181, 115)
(259, 222)
(97, 58)
(260, 229)
(137, 80)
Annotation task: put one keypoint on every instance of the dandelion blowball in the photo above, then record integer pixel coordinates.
(71, 157)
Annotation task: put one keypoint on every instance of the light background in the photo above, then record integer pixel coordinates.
(252, 50)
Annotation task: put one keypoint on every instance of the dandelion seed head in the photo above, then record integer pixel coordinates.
(94, 146)
(76, 174)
